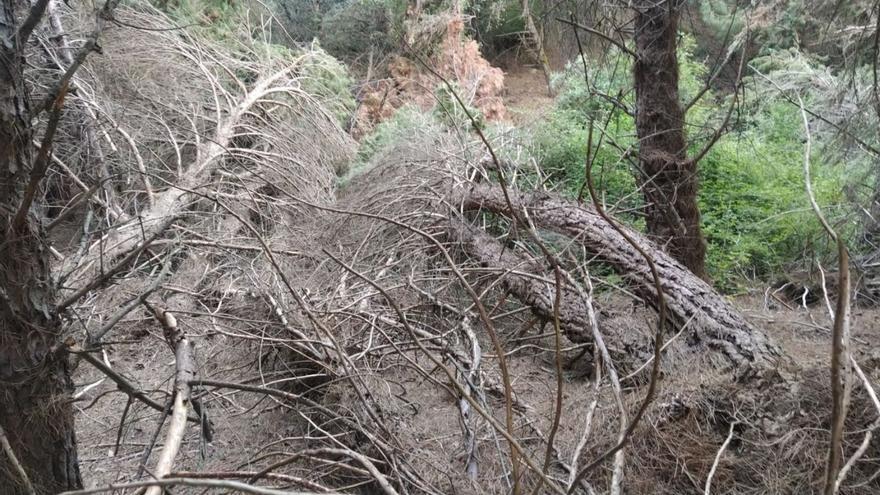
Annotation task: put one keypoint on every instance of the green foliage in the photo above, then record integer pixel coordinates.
(756, 217)
(328, 80)
(498, 23)
(722, 17)
(560, 143)
(405, 121)
(302, 18)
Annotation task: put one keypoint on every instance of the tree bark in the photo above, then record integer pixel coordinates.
(711, 321)
(535, 44)
(668, 178)
(522, 277)
(35, 385)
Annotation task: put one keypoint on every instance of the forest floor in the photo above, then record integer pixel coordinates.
(526, 97)
(246, 425)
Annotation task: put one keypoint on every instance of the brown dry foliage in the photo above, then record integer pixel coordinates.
(453, 56)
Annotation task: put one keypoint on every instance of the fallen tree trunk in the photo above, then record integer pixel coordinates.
(712, 322)
(533, 284)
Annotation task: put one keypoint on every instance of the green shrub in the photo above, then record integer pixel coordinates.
(329, 80)
(449, 112)
(301, 19)
(560, 142)
(755, 213)
(405, 121)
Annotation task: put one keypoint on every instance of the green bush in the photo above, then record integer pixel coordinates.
(302, 18)
(329, 80)
(400, 126)
(560, 142)
(449, 112)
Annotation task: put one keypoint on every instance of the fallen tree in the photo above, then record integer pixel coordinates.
(713, 323)
(532, 283)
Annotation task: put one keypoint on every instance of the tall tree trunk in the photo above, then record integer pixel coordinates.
(669, 179)
(535, 44)
(35, 406)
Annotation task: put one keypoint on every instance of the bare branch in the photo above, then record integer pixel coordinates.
(13, 459)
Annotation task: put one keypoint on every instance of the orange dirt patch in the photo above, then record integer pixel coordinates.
(458, 59)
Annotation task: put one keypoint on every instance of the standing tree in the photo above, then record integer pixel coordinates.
(668, 176)
(534, 43)
(36, 417)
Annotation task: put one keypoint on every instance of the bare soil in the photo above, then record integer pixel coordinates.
(247, 426)
(526, 96)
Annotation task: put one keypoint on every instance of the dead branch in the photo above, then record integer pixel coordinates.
(515, 446)
(249, 474)
(184, 373)
(526, 280)
(869, 434)
(621, 45)
(194, 482)
(121, 382)
(840, 370)
(708, 488)
(13, 459)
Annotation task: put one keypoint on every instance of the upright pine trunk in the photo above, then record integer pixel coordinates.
(669, 179)
(35, 406)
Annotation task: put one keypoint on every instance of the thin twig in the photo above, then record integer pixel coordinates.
(13, 459)
(840, 371)
(717, 460)
(194, 482)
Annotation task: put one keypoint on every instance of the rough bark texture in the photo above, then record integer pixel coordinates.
(35, 407)
(534, 43)
(628, 349)
(669, 178)
(712, 321)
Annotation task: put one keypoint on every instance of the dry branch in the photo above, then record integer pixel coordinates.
(194, 482)
(527, 280)
(13, 459)
(184, 374)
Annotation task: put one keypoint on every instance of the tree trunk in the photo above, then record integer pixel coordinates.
(35, 385)
(629, 349)
(668, 179)
(711, 321)
(535, 44)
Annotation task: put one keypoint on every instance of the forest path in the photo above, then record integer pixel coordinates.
(526, 96)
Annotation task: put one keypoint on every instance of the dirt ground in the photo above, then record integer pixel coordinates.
(246, 427)
(526, 96)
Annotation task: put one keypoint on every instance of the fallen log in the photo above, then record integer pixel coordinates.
(712, 322)
(533, 284)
